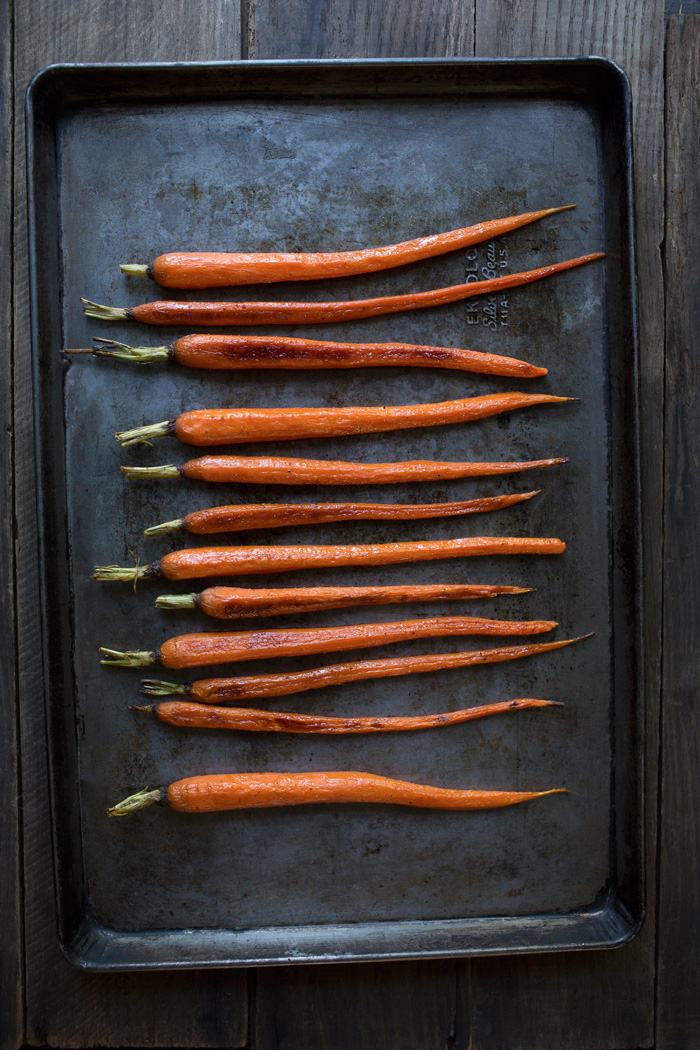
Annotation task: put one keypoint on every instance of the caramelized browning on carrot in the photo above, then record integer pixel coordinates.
(238, 517)
(230, 426)
(274, 470)
(286, 352)
(233, 352)
(226, 269)
(198, 650)
(232, 603)
(200, 716)
(243, 688)
(254, 313)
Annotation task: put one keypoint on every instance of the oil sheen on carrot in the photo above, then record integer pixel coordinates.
(243, 688)
(203, 716)
(227, 426)
(175, 312)
(198, 650)
(278, 470)
(227, 269)
(239, 517)
(231, 603)
(225, 791)
(286, 352)
(201, 562)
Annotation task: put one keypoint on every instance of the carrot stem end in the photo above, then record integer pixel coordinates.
(138, 801)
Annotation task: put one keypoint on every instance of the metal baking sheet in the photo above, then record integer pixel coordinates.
(127, 162)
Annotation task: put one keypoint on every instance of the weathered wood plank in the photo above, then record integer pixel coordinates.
(603, 1000)
(64, 1006)
(359, 29)
(404, 1006)
(11, 976)
(678, 1019)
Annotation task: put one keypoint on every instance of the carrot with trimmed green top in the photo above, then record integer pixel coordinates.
(237, 352)
(225, 791)
(281, 470)
(243, 688)
(201, 716)
(232, 426)
(239, 517)
(254, 313)
(198, 650)
(227, 269)
(235, 603)
(203, 562)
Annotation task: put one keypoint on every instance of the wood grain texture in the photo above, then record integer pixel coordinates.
(678, 1024)
(65, 1007)
(603, 1000)
(11, 976)
(360, 28)
(397, 1006)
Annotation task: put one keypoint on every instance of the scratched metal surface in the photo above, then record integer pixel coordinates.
(287, 162)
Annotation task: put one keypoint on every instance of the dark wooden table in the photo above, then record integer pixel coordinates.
(644, 994)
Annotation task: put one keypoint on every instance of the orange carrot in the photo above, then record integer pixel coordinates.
(237, 517)
(263, 686)
(202, 562)
(233, 603)
(253, 313)
(224, 791)
(277, 470)
(199, 650)
(232, 426)
(233, 352)
(201, 716)
(226, 269)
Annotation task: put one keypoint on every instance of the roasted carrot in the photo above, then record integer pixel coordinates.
(253, 313)
(244, 719)
(234, 426)
(233, 603)
(203, 562)
(279, 470)
(243, 688)
(284, 352)
(238, 517)
(226, 269)
(199, 650)
(224, 791)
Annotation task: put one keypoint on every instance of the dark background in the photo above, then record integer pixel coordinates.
(644, 994)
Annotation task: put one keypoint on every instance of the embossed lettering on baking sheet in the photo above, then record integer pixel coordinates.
(484, 263)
